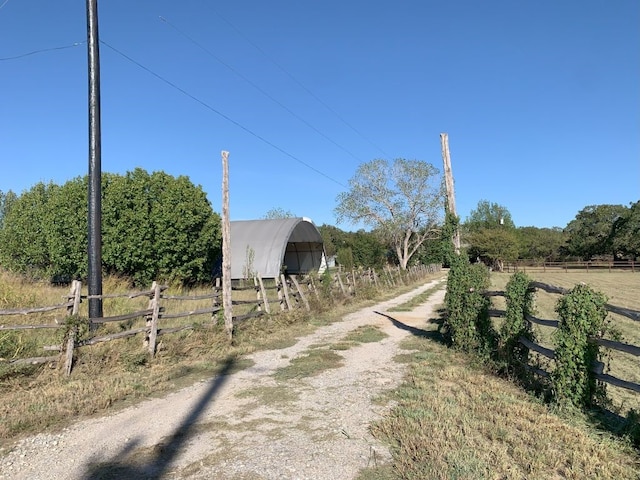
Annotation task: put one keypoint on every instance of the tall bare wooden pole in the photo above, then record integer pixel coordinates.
(226, 249)
(451, 196)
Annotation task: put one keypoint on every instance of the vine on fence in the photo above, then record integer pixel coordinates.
(519, 298)
(582, 315)
(468, 324)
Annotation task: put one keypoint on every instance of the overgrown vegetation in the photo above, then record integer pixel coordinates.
(582, 316)
(454, 418)
(519, 298)
(467, 324)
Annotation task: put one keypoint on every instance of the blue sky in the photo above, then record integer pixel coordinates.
(540, 99)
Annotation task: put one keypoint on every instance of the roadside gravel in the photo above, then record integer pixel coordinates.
(247, 425)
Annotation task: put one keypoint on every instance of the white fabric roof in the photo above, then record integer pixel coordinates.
(266, 246)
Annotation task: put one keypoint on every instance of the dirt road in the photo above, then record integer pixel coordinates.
(246, 425)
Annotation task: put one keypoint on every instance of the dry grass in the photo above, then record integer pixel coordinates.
(623, 290)
(453, 419)
(117, 373)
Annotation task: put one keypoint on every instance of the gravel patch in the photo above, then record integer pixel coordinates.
(221, 428)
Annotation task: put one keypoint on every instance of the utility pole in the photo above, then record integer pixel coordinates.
(227, 304)
(451, 196)
(95, 168)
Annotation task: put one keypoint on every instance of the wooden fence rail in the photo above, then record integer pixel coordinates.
(550, 353)
(292, 292)
(587, 266)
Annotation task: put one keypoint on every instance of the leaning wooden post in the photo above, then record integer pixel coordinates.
(227, 304)
(344, 292)
(72, 310)
(304, 299)
(263, 290)
(285, 289)
(152, 320)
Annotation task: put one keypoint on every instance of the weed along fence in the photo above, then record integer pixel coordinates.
(582, 334)
(62, 329)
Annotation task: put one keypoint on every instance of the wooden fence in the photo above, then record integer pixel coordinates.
(290, 292)
(598, 368)
(587, 266)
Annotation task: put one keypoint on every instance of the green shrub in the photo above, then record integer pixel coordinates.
(468, 325)
(519, 298)
(582, 315)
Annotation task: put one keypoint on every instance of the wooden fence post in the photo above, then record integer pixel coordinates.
(344, 292)
(304, 299)
(76, 287)
(152, 321)
(216, 297)
(263, 291)
(311, 285)
(285, 289)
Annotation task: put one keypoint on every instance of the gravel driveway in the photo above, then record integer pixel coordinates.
(246, 425)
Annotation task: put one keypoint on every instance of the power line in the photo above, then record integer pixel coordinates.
(217, 112)
(298, 82)
(43, 50)
(257, 87)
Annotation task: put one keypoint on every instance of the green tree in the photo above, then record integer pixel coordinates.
(23, 237)
(66, 227)
(333, 238)
(154, 227)
(402, 201)
(6, 200)
(626, 232)
(344, 257)
(368, 250)
(488, 215)
(590, 234)
(491, 235)
(543, 244)
(278, 212)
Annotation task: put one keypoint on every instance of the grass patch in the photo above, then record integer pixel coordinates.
(270, 396)
(416, 301)
(453, 419)
(365, 334)
(314, 362)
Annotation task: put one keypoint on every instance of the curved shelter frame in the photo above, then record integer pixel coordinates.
(275, 246)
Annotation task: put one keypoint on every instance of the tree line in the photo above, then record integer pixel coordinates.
(159, 227)
(597, 232)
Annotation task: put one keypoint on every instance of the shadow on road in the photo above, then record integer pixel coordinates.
(162, 455)
(418, 332)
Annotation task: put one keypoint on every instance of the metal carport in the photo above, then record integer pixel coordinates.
(270, 247)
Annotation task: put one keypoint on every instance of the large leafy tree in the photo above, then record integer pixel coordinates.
(360, 249)
(489, 215)
(6, 199)
(23, 237)
(626, 232)
(154, 226)
(590, 234)
(490, 234)
(403, 201)
(540, 243)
